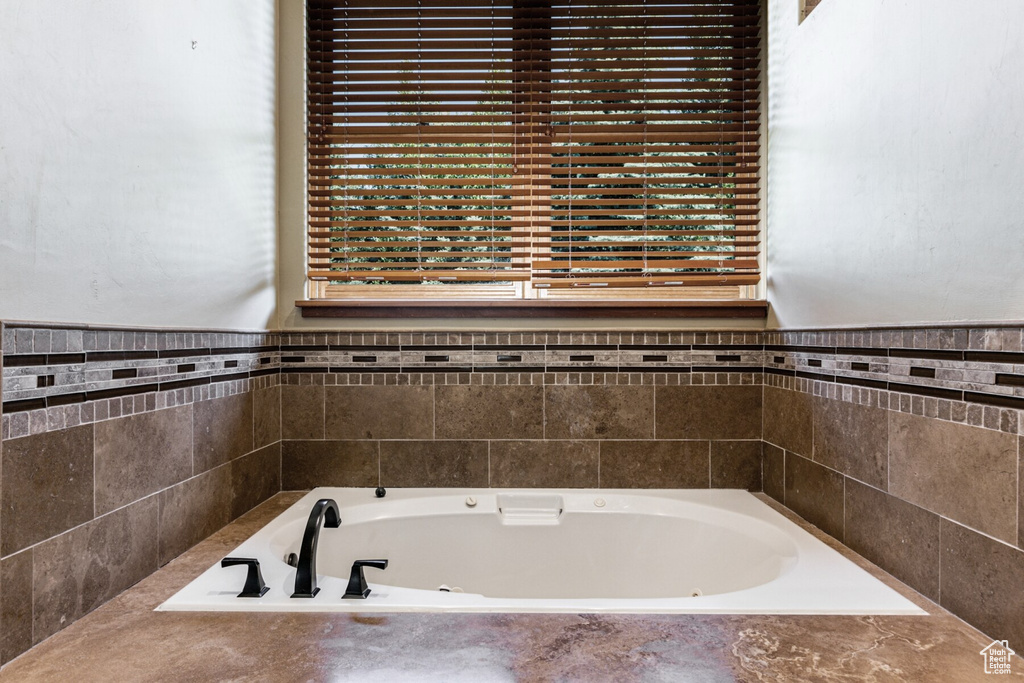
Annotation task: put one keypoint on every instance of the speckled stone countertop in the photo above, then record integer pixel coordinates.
(125, 640)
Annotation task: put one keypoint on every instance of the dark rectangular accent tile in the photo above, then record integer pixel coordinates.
(435, 358)
(264, 372)
(222, 430)
(185, 367)
(78, 571)
(655, 464)
(293, 359)
(141, 454)
(43, 381)
(928, 373)
(364, 359)
(930, 354)
(779, 359)
(65, 359)
(1005, 357)
(736, 465)
(308, 464)
(24, 405)
(302, 411)
(816, 376)
(708, 412)
(579, 411)
(255, 478)
(814, 362)
(1010, 380)
(781, 372)
(658, 347)
(815, 493)
(228, 364)
(727, 347)
(15, 605)
(994, 400)
(899, 537)
(185, 383)
(26, 360)
(587, 358)
(787, 419)
(115, 356)
(264, 361)
(773, 472)
(183, 353)
(507, 358)
(860, 367)
(966, 473)
(728, 358)
(795, 348)
(433, 463)
(192, 510)
(655, 359)
(379, 412)
(489, 412)
(65, 399)
(981, 583)
(861, 382)
(46, 486)
(125, 373)
(544, 464)
(852, 439)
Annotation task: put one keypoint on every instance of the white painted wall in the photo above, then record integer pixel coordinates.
(896, 162)
(137, 162)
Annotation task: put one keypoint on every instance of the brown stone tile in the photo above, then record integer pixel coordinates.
(192, 510)
(81, 569)
(302, 411)
(852, 439)
(736, 465)
(46, 486)
(489, 412)
(708, 412)
(15, 605)
(654, 464)
(266, 416)
(380, 412)
(141, 454)
(255, 478)
(981, 583)
(965, 473)
(221, 430)
(774, 472)
(308, 464)
(787, 420)
(815, 493)
(1020, 492)
(598, 412)
(899, 537)
(433, 463)
(543, 464)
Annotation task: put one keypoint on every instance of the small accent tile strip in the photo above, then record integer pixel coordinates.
(59, 370)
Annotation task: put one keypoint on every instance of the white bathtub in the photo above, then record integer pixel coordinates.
(497, 550)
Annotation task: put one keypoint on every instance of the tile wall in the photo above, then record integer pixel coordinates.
(903, 444)
(120, 450)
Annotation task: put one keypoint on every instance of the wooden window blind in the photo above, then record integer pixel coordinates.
(533, 146)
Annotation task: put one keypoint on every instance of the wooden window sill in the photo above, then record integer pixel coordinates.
(406, 308)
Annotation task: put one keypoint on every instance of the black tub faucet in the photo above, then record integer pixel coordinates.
(325, 511)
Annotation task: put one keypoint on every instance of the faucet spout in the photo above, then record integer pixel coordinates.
(325, 513)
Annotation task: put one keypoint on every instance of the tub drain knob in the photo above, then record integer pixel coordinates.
(380, 492)
(470, 502)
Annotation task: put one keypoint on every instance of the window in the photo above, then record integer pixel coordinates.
(556, 149)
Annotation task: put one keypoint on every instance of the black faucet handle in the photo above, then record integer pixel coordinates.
(255, 586)
(357, 589)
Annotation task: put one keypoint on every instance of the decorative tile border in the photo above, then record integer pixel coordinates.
(971, 375)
